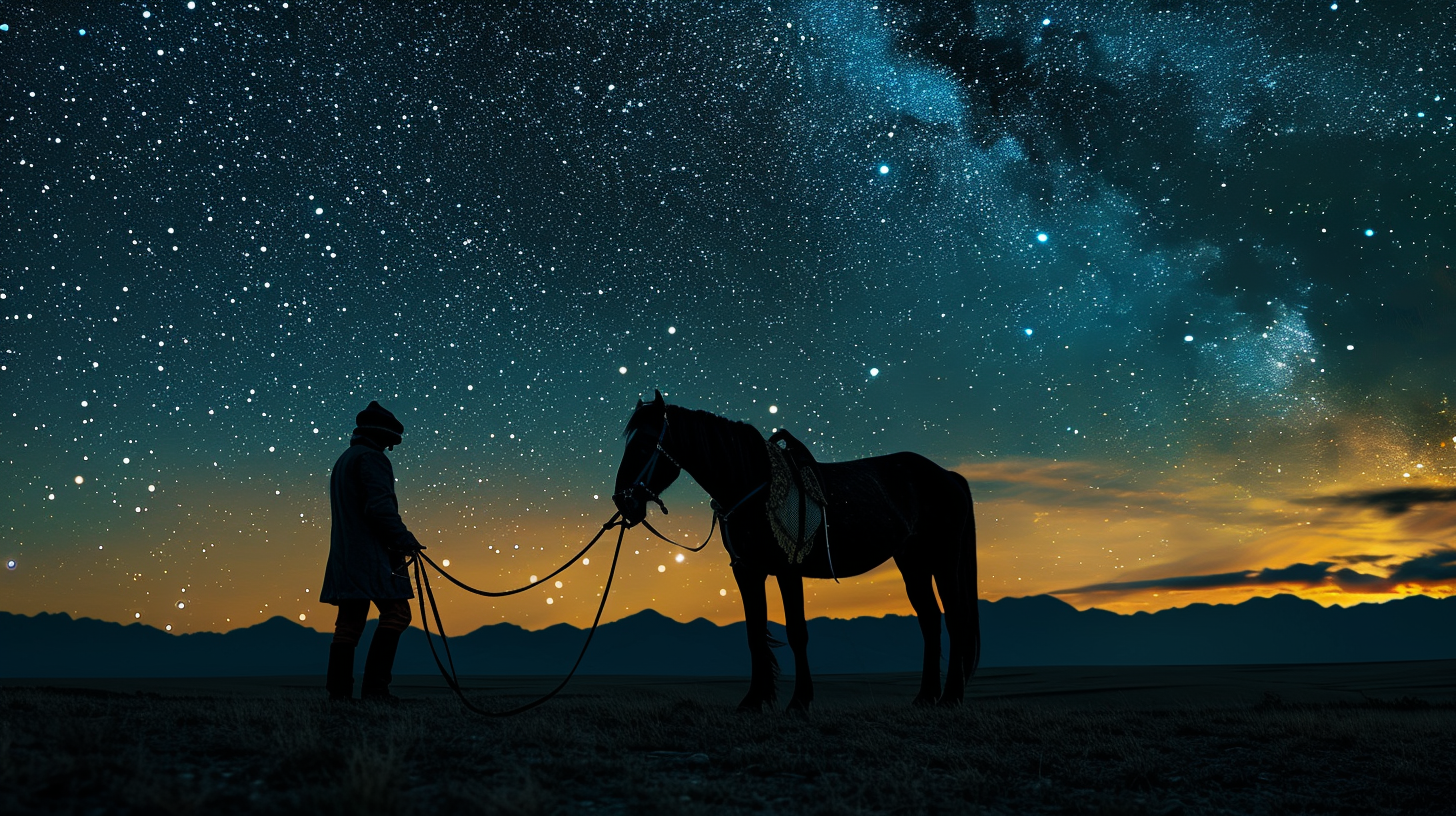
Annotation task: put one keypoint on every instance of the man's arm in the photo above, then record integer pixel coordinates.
(381, 505)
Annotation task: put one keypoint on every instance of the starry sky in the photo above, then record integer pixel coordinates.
(1169, 282)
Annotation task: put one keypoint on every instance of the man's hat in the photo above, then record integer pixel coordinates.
(377, 418)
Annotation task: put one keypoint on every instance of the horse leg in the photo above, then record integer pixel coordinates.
(761, 689)
(927, 612)
(791, 587)
(959, 592)
(955, 674)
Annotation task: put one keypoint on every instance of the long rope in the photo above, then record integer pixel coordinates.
(452, 677)
(612, 522)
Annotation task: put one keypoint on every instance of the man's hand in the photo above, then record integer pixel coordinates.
(407, 546)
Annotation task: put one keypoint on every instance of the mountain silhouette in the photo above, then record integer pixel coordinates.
(1032, 631)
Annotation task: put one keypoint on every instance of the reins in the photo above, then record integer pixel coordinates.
(425, 591)
(718, 515)
(451, 675)
(612, 522)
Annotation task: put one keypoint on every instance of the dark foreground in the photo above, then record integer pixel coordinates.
(1372, 738)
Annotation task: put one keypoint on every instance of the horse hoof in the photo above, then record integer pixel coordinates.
(798, 707)
(750, 707)
(948, 702)
(923, 700)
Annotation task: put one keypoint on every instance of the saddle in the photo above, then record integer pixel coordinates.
(796, 497)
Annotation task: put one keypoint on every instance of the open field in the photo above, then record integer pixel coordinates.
(1369, 738)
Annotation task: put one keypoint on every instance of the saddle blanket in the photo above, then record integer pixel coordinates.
(795, 501)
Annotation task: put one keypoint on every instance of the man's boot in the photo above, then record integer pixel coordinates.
(379, 663)
(340, 679)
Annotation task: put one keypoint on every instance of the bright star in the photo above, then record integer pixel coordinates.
(874, 372)
(884, 168)
(1369, 233)
(1028, 332)
(1042, 237)
(1188, 338)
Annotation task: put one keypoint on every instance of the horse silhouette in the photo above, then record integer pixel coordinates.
(901, 506)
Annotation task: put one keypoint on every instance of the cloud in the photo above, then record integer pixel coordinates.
(1393, 502)
(1437, 567)
(1106, 488)
(1362, 559)
(1063, 483)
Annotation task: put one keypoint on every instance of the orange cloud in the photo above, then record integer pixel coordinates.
(1124, 540)
(1434, 570)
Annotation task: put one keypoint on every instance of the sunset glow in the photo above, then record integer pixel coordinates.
(1177, 302)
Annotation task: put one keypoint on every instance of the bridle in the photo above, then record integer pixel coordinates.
(645, 475)
(648, 470)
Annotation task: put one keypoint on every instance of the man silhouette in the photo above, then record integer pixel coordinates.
(368, 550)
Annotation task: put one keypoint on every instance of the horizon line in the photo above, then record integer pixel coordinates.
(415, 624)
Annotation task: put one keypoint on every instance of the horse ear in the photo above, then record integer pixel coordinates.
(639, 403)
(658, 400)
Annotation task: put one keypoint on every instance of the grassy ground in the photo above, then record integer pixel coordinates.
(679, 749)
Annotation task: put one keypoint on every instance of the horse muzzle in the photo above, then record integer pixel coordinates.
(633, 510)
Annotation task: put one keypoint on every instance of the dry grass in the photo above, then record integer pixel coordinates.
(93, 753)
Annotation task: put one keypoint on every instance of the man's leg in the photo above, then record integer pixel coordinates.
(348, 626)
(394, 618)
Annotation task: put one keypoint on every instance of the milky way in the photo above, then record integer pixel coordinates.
(1177, 247)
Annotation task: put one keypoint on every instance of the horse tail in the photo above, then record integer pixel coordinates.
(966, 569)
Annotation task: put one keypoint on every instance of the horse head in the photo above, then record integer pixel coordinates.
(647, 468)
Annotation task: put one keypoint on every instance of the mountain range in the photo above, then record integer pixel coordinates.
(1031, 631)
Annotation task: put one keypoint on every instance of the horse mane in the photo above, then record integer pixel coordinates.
(696, 417)
(704, 430)
(709, 418)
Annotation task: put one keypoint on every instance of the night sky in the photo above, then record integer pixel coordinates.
(1170, 282)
